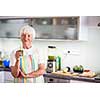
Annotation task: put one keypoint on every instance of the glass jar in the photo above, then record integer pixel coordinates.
(1, 63)
(51, 52)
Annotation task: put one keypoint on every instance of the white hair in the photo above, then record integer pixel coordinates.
(27, 29)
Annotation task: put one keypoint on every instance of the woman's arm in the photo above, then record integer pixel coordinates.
(39, 72)
(15, 69)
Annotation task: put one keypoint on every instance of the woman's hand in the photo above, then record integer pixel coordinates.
(18, 54)
(22, 75)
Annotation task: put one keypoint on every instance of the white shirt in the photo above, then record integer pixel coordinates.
(27, 64)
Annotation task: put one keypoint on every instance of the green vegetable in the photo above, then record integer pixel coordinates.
(79, 68)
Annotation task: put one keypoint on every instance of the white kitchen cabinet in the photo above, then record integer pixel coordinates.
(83, 28)
(63, 81)
(93, 21)
(64, 28)
(9, 27)
(50, 80)
(55, 80)
(1, 76)
(76, 81)
(8, 78)
(47, 28)
(61, 28)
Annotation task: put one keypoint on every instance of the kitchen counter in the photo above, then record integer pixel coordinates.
(73, 78)
(5, 69)
(5, 75)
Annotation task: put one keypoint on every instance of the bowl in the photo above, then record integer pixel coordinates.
(6, 63)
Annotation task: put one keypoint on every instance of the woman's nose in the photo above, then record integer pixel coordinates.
(26, 37)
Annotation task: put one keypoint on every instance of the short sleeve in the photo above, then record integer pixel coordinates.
(12, 59)
(40, 55)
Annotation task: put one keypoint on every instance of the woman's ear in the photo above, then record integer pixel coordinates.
(21, 38)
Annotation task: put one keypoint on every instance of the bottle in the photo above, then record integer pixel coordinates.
(58, 63)
(6, 59)
(1, 59)
(0, 62)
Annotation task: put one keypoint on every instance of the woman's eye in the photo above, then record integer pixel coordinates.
(28, 35)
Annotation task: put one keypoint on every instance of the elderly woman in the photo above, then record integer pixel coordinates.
(27, 64)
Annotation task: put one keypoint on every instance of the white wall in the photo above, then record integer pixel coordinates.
(89, 55)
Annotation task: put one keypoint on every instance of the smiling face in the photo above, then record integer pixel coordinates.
(27, 34)
(26, 39)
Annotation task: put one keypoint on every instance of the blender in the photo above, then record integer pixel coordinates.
(51, 62)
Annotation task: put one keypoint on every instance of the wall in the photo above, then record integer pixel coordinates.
(88, 50)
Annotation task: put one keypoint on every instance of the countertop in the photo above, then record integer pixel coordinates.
(5, 69)
(78, 78)
(51, 75)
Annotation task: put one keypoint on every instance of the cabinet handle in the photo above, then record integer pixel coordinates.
(98, 24)
(51, 80)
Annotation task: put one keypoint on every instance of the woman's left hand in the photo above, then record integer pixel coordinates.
(22, 75)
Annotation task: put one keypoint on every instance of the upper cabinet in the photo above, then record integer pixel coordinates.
(83, 28)
(9, 28)
(94, 21)
(51, 28)
(56, 27)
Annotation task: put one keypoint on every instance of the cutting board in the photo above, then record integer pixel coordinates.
(66, 74)
(84, 74)
(88, 74)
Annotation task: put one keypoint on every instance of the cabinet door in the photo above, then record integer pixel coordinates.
(83, 28)
(50, 80)
(75, 81)
(8, 78)
(93, 21)
(63, 28)
(56, 27)
(1, 76)
(9, 28)
(63, 81)
(55, 80)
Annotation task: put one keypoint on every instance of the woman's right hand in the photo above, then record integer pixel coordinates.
(18, 54)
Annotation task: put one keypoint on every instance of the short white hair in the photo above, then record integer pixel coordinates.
(27, 29)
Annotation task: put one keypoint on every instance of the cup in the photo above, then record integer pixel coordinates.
(21, 52)
(0, 63)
